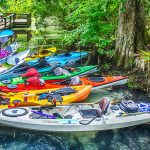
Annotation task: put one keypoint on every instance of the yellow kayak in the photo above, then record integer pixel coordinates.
(62, 96)
(42, 53)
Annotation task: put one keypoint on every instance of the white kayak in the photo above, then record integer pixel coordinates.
(18, 58)
(73, 117)
(2, 69)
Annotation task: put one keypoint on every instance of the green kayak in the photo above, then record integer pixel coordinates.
(79, 71)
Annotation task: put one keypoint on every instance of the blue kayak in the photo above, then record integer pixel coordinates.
(6, 33)
(66, 59)
(22, 68)
(73, 56)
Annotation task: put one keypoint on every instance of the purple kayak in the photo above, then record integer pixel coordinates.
(4, 53)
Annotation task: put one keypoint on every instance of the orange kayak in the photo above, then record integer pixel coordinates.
(104, 82)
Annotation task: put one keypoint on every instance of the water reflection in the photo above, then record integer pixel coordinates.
(133, 138)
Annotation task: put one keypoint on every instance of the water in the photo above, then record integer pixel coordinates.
(133, 138)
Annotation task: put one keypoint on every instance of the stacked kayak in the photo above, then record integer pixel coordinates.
(79, 71)
(73, 117)
(45, 97)
(43, 52)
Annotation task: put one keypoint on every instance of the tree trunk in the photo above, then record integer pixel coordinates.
(131, 31)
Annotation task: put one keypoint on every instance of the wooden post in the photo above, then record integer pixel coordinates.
(28, 20)
(5, 23)
(10, 21)
(14, 18)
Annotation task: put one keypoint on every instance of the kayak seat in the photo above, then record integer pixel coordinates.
(104, 105)
(128, 106)
(70, 63)
(6, 81)
(90, 113)
(67, 54)
(22, 69)
(12, 86)
(96, 79)
(45, 51)
(4, 101)
(65, 91)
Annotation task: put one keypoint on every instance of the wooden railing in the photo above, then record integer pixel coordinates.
(13, 20)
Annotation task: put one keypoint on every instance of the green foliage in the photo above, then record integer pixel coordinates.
(88, 24)
(19, 6)
(91, 24)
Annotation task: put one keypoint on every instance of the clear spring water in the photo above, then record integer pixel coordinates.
(133, 138)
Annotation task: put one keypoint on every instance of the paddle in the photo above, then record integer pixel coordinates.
(43, 114)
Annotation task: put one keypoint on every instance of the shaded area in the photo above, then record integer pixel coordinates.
(134, 138)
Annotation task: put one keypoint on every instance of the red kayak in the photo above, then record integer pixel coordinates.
(34, 83)
(96, 82)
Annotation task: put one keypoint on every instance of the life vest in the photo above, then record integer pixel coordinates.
(35, 80)
(31, 72)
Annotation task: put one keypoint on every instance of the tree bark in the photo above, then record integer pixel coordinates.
(131, 31)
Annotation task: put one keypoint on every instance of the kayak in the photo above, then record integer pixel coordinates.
(79, 71)
(34, 88)
(107, 82)
(45, 97)
(8, 52)
(2, 69)
(18, 58)
(41, 53)
(73, 56)
(4, 35)
(104, 82)
(4, 59)
(72, 117)
(19, 69)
